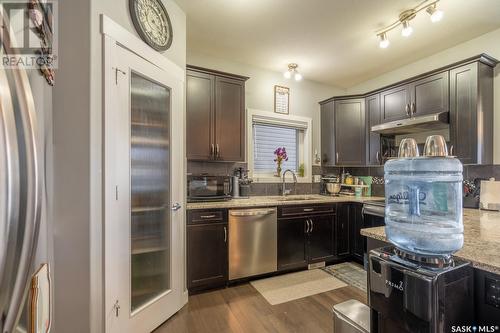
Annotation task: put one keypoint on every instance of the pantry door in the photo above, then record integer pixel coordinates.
(144, 251)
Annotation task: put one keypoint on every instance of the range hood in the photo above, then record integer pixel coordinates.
(418, 124)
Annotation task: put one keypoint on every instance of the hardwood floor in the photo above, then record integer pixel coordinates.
(242, 309)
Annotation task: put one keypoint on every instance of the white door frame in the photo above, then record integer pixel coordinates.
(115, 36)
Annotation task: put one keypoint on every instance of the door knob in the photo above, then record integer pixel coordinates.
(176, 206)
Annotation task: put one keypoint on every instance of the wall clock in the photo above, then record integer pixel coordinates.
(152, 23)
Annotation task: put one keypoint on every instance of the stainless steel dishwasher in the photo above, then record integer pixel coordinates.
(253, 242)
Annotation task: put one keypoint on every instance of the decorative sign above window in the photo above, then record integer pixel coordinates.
(281, 99)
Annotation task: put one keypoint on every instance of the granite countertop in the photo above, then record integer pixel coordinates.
(263, 201)
(481, 239)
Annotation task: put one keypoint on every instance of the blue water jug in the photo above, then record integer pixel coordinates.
(423, 213)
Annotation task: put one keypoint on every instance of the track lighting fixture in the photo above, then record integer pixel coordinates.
(430, 6)
(292, 70)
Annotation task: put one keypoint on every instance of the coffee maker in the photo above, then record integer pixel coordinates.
(410, 294)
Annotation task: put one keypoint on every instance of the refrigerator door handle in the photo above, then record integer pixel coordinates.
(31, 203)
(40, 301)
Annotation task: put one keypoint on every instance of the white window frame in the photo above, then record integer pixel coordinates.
(305, 146)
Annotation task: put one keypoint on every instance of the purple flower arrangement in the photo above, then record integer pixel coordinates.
(281, 156)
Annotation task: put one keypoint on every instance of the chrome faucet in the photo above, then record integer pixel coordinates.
(284, 191)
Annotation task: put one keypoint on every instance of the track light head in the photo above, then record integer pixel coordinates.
(384, 41)
(436, 14)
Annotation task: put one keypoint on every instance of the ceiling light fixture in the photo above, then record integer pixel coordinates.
(436, 14)
(384, 41)
(292, 70)
(405, 17)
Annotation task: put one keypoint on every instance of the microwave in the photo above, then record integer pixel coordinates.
(208, 188)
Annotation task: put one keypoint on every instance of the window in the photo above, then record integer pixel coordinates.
(269, 137)
(270, 131)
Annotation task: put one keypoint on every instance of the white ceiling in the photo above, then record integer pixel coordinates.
(333, 41)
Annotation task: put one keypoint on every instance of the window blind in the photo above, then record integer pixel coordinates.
(269, 137)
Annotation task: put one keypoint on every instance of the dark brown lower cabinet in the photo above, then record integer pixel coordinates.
(321, 238)
(358, 241)
(292, 250)
(305, 238)
(342, 231)
(207, 265)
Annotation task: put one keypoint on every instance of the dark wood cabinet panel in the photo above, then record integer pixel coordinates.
(292, 243)
(215, 115)
(356, 222)
(342, 231)
(350, 145)
(207, 265)
(321, 238)
(395, 103)
(471, 113)
(199, 115)
(373, 139)
(230, 119)
(430, 95)
(327, 134)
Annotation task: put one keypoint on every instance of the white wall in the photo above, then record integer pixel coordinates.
(259, 89)
(488, 43)
(78, 224)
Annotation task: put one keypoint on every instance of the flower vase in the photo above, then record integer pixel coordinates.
(278, 171)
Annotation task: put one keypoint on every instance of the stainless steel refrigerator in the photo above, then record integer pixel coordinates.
(25, 237)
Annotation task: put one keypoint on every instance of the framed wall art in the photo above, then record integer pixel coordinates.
(281, 99)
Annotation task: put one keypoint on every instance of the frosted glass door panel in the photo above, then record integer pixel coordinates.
(150, 191)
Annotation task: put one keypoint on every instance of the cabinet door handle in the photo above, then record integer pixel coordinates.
(212, 150)
(306, 227)
(308, 209)
(207, 216)
(336, 158)
(312, 226)
(407, 108)
(413, 108)
(225, 234)
(378, 157)
(217, 150)
(451, 150)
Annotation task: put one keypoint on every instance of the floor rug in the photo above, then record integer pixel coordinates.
(351, 273)
(289, 287)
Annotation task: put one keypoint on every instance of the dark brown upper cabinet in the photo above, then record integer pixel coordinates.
(373, 139)
(200, 106)
(229, 119)
(327, 134)
(430, 95)
(464, 89)
(350, 126)
(417, 98)
(395, 103)
(471, 113)
(215, 115)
